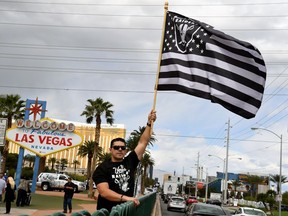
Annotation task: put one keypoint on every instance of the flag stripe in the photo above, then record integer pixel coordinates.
(214, 88)
(248, 111)
(241, 50)
(242, 58)
(212, 65)
(203, 77)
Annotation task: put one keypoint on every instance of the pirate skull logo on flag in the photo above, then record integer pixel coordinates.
(185, 29)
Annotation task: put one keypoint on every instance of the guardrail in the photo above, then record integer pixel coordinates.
(147, 204)
(145, 208)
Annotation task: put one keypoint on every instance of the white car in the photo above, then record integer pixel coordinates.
(176, 203)
(56, 181)
(246, 211)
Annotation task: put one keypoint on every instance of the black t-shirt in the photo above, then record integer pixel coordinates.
(69, 192)
(120, 177)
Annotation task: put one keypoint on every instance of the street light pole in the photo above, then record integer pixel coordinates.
(224, 172)
(222, 185)
(280, 171)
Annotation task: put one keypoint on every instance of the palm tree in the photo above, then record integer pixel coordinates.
(146, 161)
(75, 164)
(11, 107)
(276, 178)
(87, 149)
(30, 159)
(96, 109)
(132, 142)
(254, 180)
(63, 163)
(235, 184)
(52, 161)
(105, 157)
(134, 138)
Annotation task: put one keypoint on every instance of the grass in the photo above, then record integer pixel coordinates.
(283, 213)
(44, 202)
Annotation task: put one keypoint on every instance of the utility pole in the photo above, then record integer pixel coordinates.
(196, 185)
(226, 166)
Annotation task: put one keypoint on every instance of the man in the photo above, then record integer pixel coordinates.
(2, 186)
(23, 189)
(115, 178)
(68, 194)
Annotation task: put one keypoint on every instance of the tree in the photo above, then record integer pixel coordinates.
(52, 160)
(11, 107)
(105, 157)
(30, 159)
(94, 110)
(235, 184)
(146, 161)
(87, 149)
(75, 164)
(254, 180)
(276, 178)
(134, 138)
(132, 142)
(63, 163)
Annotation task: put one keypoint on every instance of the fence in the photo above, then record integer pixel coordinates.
(147, 204)
(145, 208)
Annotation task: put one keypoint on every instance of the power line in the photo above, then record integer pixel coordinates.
(126, 28)
(142, 15)
(147, 5)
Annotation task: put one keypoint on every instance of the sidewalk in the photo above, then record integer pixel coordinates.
(16, 211)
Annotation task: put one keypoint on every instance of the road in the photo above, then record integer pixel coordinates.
(178, 213)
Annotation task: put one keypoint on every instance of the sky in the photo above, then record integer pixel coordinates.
(66, 52)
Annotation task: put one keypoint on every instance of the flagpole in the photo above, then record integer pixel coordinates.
(160, 54)
(159, 59)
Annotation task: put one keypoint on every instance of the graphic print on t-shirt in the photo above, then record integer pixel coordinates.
(121, 176)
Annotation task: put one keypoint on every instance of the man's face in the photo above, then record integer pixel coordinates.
(118, 151)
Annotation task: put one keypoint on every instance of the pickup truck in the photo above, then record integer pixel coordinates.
(56, 181)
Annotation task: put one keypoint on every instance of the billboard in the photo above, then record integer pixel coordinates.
(3, 127)
(44, 137)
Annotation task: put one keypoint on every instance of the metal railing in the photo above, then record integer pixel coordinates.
(147, 203)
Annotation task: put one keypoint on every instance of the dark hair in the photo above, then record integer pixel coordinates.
(116, 140)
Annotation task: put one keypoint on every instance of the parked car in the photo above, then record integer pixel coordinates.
(191, 199)
(176, 203)
(284, 207)
(214, 202)
(200, 209)
(148, 190)
(56, 181)
(245, 211)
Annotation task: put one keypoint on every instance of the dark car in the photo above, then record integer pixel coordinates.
(284, 207)
(167, 197)
(214, 202)
(201, 209)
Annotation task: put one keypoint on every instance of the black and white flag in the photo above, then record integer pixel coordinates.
(204, 62)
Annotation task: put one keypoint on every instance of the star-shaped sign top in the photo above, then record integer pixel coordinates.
(36, 109)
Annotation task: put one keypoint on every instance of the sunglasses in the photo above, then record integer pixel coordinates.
(119, 147)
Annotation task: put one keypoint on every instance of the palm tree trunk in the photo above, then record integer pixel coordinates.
(4, 156)
(143, 180)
